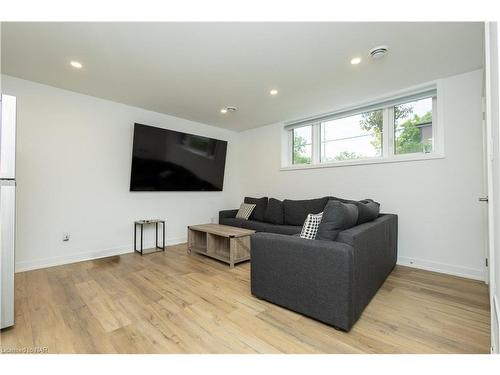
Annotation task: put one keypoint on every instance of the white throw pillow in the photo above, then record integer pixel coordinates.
(311, 225)
(245, 211)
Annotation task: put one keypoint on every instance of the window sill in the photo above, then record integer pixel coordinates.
(348, 163)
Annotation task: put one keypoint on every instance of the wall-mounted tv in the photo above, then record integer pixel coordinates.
(168, 160)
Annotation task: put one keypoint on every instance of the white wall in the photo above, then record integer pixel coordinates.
(73, 172)
(441, 223)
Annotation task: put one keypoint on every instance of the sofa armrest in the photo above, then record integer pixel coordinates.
(375, 245)
(227, 214)
(385, 222)
(309, 276)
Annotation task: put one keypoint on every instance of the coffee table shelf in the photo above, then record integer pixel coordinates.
(222, 242)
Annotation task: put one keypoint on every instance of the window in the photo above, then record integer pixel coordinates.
(413, 127)
(401, 128)
(302, 145)
(353, 137)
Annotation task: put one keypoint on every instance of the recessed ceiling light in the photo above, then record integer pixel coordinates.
(273, 92)
(223, 110)
(355, 60)
(76, 64)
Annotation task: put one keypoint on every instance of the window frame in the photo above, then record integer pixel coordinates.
(388, 135)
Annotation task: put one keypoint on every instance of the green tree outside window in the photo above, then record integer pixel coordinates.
(299, 146)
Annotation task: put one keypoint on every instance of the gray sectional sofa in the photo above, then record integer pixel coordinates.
(331, 281)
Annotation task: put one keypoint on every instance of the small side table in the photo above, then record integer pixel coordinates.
(141, 224)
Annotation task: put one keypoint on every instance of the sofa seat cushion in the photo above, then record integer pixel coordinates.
(232, 221)
(259, 226)
(296, 211)
(274, 212)
(287, 229)
(260, 207)
(337, 216)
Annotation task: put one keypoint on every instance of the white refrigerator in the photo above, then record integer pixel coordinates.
(7, 208)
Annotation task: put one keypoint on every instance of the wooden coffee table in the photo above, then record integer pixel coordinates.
(222, 242)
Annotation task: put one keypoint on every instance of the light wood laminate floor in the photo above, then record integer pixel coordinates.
(174, 303)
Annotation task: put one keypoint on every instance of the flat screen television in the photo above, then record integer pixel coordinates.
(168, 160)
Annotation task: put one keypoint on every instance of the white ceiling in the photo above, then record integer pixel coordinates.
(192, 70)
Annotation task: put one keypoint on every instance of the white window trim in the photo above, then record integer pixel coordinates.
(388, 155)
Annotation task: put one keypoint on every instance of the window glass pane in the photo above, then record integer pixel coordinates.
(302, 145)
(413, 127)
(353, 137)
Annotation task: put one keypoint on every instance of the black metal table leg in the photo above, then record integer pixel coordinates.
(164, 231)
(142, 227)
(156, 234)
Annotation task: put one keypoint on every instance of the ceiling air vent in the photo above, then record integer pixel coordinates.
(378, 52)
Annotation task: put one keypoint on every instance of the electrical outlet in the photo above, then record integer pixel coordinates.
(65, 237)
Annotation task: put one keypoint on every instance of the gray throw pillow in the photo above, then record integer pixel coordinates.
(368, 210)
(337, 216)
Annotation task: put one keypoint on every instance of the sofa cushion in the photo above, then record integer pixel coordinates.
(286, 229)
(368, 209)
(260, 226)
(232, 221)
(296, 211)
(337, 216)
(260, 207)
(274, 211)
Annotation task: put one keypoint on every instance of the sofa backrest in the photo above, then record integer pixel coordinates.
(296, 211)
(260, 207)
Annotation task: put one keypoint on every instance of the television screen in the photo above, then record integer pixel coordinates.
(168, 160)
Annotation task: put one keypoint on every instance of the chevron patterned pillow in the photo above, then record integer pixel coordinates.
(245, 211)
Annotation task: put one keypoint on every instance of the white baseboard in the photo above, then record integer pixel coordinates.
(30, 265)
(450, 269)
